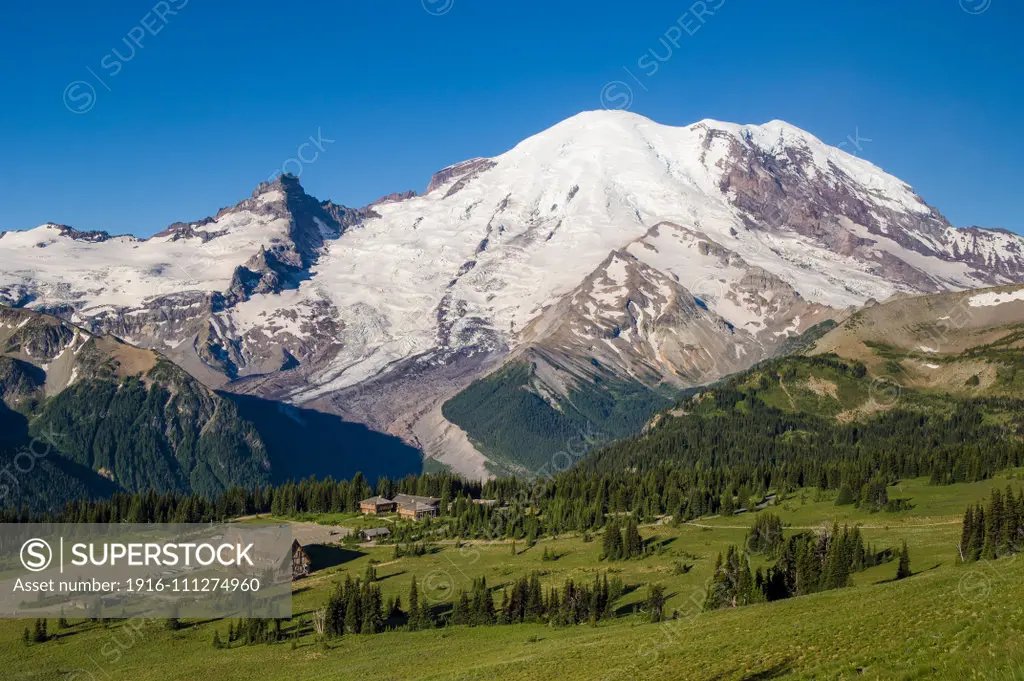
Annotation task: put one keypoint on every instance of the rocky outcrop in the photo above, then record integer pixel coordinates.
(460, 174)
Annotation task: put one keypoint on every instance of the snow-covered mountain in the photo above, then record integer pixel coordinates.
(663, 255)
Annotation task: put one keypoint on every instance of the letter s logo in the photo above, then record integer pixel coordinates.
(36, 555)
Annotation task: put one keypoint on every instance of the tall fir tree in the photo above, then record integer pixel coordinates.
(903, 570)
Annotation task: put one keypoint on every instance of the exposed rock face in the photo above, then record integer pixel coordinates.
(668, 256)
(459, 174)
(395, 196)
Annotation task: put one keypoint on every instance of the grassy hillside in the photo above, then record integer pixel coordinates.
(947, 621)
(826, 421)
(969, 343)
(519, 426)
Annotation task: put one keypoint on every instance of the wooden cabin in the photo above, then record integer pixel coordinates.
(300, 561)
(377, 506)
(375, 534)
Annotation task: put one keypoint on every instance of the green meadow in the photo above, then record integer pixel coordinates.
(947, 621)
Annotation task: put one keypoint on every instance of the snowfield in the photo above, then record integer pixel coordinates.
(992, 299)
(472, 263)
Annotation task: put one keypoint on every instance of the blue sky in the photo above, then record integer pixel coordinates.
(197, 107)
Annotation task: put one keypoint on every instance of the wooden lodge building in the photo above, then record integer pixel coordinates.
(417, 511)
(409, 506)
(377, 506)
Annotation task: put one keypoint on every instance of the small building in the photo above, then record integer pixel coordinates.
(415, 507)
(300, 561)
(377, 506)
(407, 499)
(417, 510)
(375, 533)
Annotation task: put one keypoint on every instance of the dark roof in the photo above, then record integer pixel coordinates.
(376, 532)
(409, 499)
(376, 501)
(418, 507)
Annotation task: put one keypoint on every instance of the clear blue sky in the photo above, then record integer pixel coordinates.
(226, 91)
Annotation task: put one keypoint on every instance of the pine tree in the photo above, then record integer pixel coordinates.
(1010, 522)
(373, 620)
(633, 544)
(717, 593)
(217, 643)
(414, 609)
(461, 609)
(39, 633)
(655, 603)
(506, 615)
(903, 571)
(353, 621)
(612, 543)
(426, 617)
(993, 527)
(978, 534)
(966, 534)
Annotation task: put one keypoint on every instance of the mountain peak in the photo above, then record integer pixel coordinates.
(703, 247)
(285, 182)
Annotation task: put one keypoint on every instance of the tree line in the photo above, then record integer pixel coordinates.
(994, 530)
(806, 563)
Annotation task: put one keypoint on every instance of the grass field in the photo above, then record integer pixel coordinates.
(948, 621)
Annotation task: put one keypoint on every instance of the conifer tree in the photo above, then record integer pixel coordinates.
(903, 570)
(414, 606)
(612, 543)
(966, 535)
(39, 634)
(426, 618)
(993, 527)
(353, 621)
(633, 544)
(1010, 523)
(978, 535)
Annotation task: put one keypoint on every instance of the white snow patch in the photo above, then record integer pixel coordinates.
(995, 298)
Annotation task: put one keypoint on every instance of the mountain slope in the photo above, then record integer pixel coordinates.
(917, 385)
(824, 420)
(969, 343)
(522, 424)
(86, 415)
(670, 256)
(123, 413)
